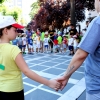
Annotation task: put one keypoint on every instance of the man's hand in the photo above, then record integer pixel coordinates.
(63, 82)
(54, 84)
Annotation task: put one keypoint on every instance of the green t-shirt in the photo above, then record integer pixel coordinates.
(33, 35)
(42, 36)
(59, 39)
(68, 36)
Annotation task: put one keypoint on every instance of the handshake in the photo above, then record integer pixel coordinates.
(58, 84)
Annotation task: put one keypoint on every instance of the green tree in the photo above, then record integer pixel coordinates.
(3, 9)
(15, 11)
(57, 12)
(1, 1)
(14, 14)
(34, 9)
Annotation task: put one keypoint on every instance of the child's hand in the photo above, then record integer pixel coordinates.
(54, 84)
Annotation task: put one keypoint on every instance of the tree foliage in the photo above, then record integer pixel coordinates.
(15, 11)
(57, 12)
(1, 1)
(34, 9)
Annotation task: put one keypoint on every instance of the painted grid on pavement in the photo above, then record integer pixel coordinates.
(52, 66)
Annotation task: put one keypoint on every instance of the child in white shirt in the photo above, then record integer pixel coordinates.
(46, 44)
(75, 43)
(37, 38)
(70, 44)
(24, 40)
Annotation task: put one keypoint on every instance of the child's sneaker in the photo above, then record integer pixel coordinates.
(24, 52)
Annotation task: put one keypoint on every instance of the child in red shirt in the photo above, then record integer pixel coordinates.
(65, 43)
(55, 43)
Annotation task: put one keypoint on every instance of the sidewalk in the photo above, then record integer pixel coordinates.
(82, 96)
(52, 66)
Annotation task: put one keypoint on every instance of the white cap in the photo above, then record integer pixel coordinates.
(7, 21)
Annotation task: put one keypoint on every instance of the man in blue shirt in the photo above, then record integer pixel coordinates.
(28, 34)
(89, 51)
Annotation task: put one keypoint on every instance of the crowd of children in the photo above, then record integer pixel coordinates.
(41, 42)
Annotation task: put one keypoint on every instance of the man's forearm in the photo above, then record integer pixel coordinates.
(69, 70)
(75, 63)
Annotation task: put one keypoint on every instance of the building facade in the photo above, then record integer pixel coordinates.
(13, 3)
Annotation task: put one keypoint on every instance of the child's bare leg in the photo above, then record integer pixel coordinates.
(64, 50)
(29, 51)
(32, 49)
(44, 49)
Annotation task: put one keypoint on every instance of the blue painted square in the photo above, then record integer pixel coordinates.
(77, 75)
(46, 58)
(51, 64)
(82, 96)
(23, 75)
(30, 64)
(51, 61)
(81, 69)
(44, 66)
(68, 86)
(30, 81)
(67, 61)
(53, 56)
(27, 88)
(40, 54)
(41, 95)
(25, 58)
(25, 55)
(30, 56)
(63, 66)
(66, 58)
(59, 60)
(36, 61)
(54, 71)
(38, 68)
